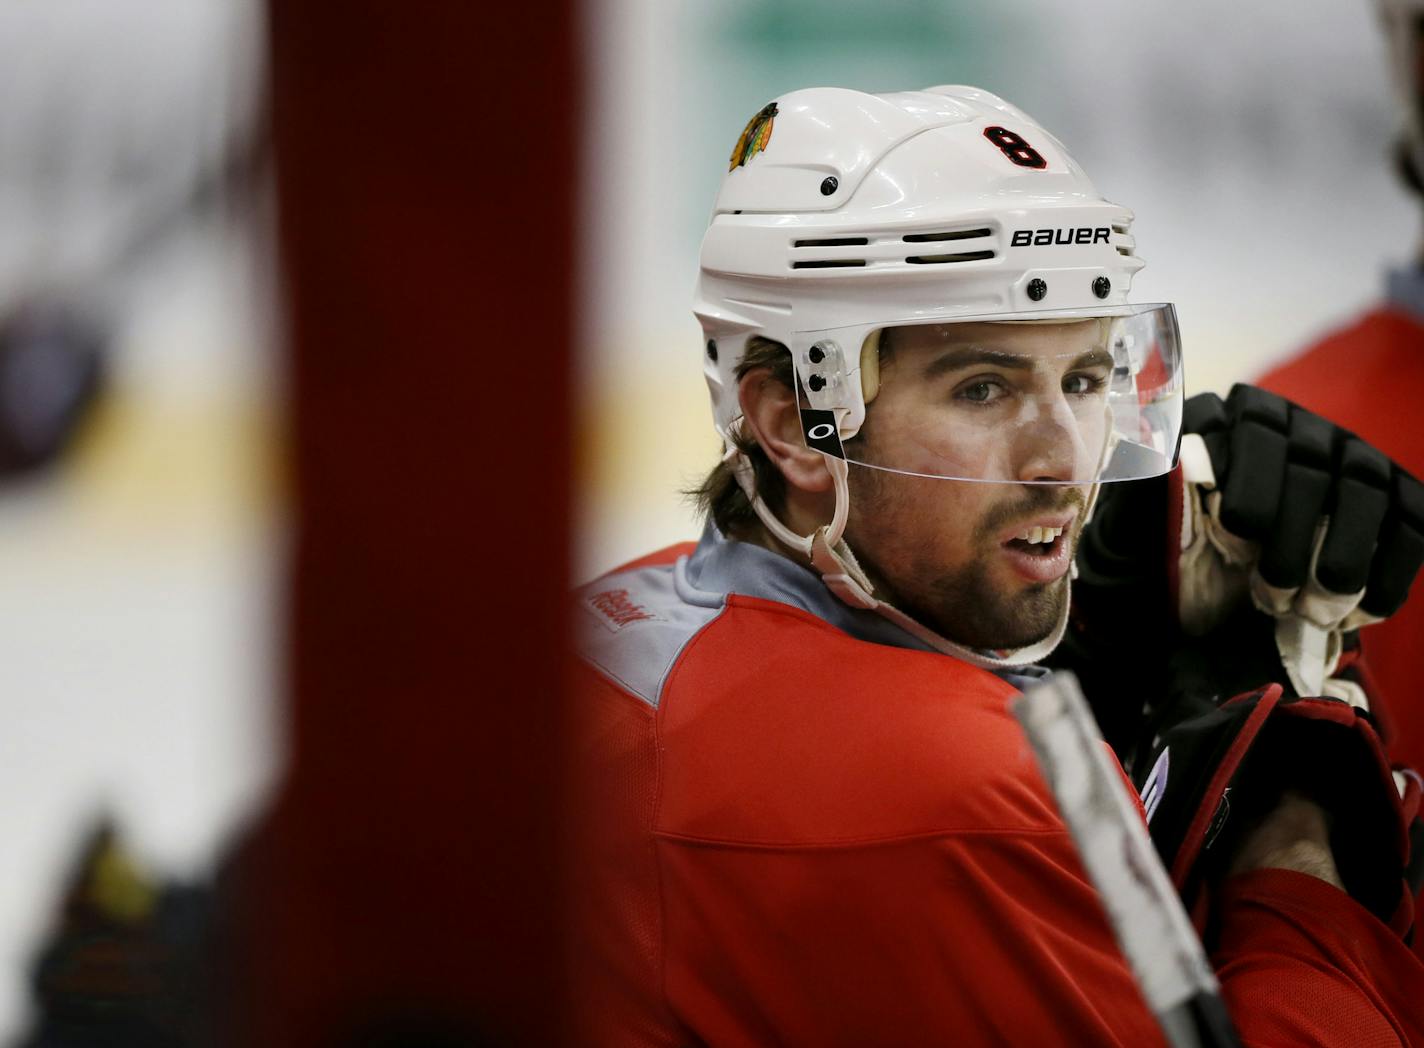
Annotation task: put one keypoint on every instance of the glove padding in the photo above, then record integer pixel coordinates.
(1322, 530)
(1271, 508)
(1217, 772)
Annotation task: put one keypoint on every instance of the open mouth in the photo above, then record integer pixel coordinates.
(1040, 552)
(1038, 541)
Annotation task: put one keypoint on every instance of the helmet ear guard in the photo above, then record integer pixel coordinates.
(870, 366)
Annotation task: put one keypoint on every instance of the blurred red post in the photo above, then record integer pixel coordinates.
(427, 171)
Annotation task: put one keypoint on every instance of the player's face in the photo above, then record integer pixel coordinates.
(985, 561)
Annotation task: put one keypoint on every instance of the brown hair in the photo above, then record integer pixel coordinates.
(719, 496)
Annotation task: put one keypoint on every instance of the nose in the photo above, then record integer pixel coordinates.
(1048, 443)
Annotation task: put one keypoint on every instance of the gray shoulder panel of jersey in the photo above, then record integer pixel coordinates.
(632, 626)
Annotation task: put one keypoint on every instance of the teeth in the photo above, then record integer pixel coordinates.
(1038, 536)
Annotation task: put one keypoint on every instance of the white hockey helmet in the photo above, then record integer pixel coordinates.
(844, 215)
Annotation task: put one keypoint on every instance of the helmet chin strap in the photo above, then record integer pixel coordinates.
(832, 559)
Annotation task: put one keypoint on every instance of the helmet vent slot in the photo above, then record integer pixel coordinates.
(1121, 230)
(957, 234)
(963, 256)
(828, 263)
(835, 242)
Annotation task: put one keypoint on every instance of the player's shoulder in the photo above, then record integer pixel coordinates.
(1386, 329)
(1385, 339)
(637, 623)
(775, 666)
(632, 623)
(777, 728)
(1366, 377)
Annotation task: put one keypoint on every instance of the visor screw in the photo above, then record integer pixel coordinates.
(712, 350)
(817, 383)
(1036, 289)
(817, 354)
(829, 185)
(1101, 287)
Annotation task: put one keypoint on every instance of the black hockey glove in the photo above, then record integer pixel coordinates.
(1251, 565)
(1222, 769)
(1271, 508)
(1326, 533)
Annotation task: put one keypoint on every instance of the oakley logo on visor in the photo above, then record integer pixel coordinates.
(820, 431)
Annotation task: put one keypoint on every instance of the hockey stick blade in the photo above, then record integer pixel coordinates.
(1146, 915)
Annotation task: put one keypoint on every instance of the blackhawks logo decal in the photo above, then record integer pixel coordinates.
(754, 138)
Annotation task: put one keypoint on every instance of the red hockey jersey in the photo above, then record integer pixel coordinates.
(795, 825)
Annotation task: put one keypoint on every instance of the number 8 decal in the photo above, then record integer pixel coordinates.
(1015, 148)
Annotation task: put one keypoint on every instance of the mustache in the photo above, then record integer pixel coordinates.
(1042, 498)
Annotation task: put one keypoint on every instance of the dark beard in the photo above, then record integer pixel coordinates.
(963, 605)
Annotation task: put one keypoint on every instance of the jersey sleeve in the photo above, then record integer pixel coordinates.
(1300, 962)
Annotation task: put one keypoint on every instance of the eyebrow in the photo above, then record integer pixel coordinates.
(1094, 358)
(959, 357)
(968, 356)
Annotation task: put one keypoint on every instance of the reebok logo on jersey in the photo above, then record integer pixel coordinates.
(1043, 237)
(616, 609)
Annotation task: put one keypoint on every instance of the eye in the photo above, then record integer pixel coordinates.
(1082, 384)
(981, 391)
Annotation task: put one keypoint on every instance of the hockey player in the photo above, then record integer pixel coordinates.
(1369, 378)
(803, 813)
(1343, 377)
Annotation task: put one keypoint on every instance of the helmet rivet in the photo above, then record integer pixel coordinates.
(1101, 287)
(817, 383)
(829, 185)
(712, 350)
(1036, 289)
(817, 354)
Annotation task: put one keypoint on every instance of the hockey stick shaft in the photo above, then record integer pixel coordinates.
(1146, 915)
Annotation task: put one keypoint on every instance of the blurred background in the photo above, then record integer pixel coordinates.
(144, 521)
(140, 523)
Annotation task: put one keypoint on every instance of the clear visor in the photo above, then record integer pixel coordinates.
(1064, 400)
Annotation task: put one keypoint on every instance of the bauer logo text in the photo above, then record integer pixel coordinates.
(1045, 237)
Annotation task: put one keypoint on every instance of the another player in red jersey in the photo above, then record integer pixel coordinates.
(1369, 377)
(802, 812)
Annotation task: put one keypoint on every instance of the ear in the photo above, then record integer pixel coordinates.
(770, 412)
